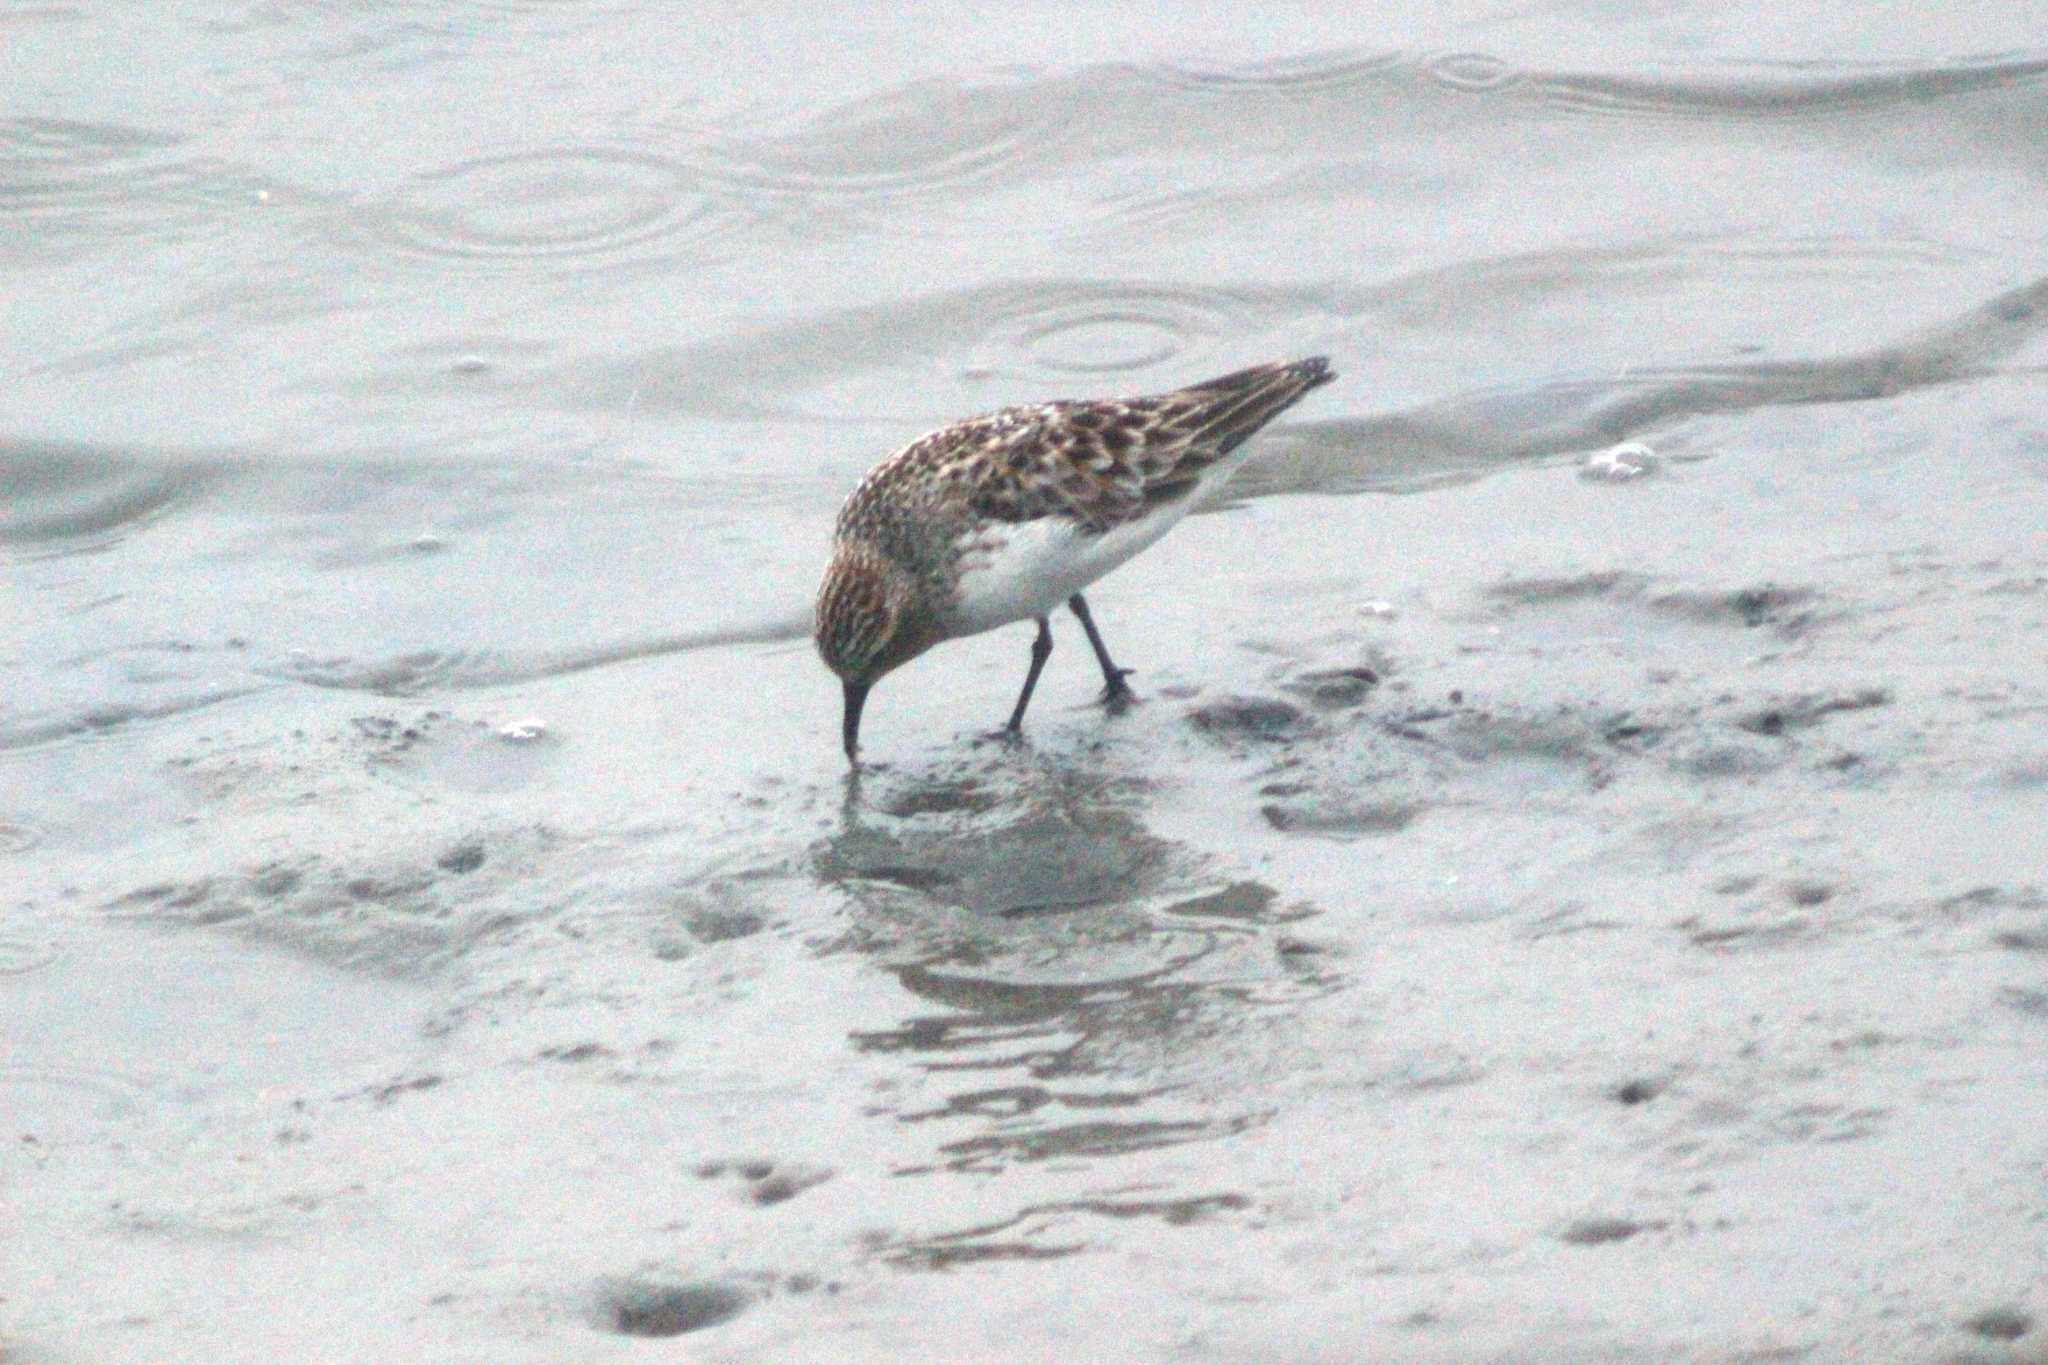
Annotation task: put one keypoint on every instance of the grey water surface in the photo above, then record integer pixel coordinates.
(1558, 899)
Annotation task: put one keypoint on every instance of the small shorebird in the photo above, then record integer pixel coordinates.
(1001, 518)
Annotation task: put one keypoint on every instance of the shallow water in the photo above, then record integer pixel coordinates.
(1542, 908)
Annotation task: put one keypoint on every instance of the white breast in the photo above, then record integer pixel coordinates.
(1014, 571)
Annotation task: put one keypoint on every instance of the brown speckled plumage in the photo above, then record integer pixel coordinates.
(941, 506)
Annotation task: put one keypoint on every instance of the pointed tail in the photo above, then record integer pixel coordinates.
(1207, 421)
(1228, 409)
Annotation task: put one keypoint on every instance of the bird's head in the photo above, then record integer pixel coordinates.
(870, 620)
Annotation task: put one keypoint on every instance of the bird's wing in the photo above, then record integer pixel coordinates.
(1103, 462)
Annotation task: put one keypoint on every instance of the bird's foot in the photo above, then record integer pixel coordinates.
(1118, 696)
(1009, 736)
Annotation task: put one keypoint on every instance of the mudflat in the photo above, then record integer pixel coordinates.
(1572, 887)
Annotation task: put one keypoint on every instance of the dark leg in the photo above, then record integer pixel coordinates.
(1116, 691)
(1041, 650)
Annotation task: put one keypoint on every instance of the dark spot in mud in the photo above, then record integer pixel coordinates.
(1262, 720)
(1237, 901)
(170, 895)
(1767, 605)
(1827, 1123)
(195, 902)
(1797, 713)
(2023, 940)
(1975, 899)
(1727, 760)
(385, 1094)
(1762, 606)
(1334, 688)
(1638, 1091)
(396, 736)
(1623, 731)
(2000, 1324)
(1173, 1212)
(937, 1255)
(1592, 1232)
(2026, 1001)
(640, 1308)
(1567, 588)
(939, 798)
(2027, 774)
(579, 1052)
(461, 859)
(276, 880)
(387, 890)
(1808, 893)
(1736, 885)
(781, 1186)
(767, 1182)
(720, 926)
(2017, 306)
(1867, 1040)
(1338, 819)
(1772, 933)
(222, 912)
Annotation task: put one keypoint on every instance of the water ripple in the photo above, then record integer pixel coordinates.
(29, 730)
(1818, 92)
(568, 204)
(1477, 72)
(1109, 327)
(1313, 71)
(967, 135)
(86, 1093)
(936, 158)
(1812, 90)
(461, 669)
(58, 498)
(1002, 159)
(20, 956)
(78, 189)
(1469, 436)
(1049, 331)
(17, 836)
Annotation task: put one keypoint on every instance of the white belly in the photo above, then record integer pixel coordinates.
(1017, 571)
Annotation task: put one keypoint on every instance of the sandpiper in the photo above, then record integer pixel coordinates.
(1001, 518)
